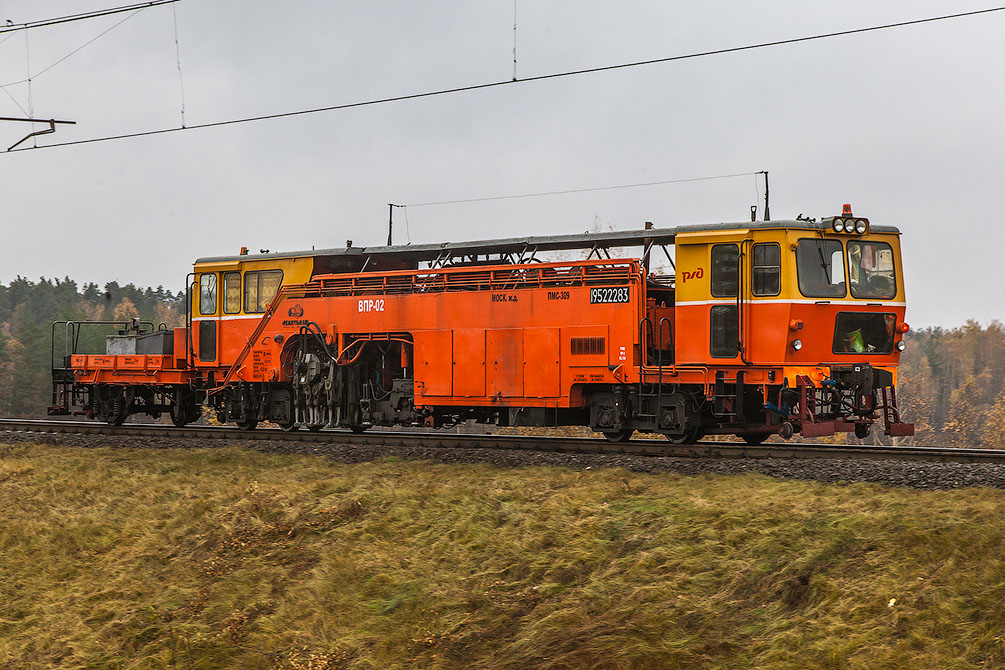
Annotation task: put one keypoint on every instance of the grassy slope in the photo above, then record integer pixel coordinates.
(203, 559)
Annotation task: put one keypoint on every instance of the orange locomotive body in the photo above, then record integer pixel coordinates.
(768, 327)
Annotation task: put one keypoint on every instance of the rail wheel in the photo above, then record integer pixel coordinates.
(247, 424)
(183, 410)
(618, 435)
(755, 438)
(315, 428)
(862, 430)
(289, 427)
(689, 436)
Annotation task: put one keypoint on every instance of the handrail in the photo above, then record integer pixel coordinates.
(659, 340)
(72, 331)
(644, 347)
(536, 275)
(270, 311)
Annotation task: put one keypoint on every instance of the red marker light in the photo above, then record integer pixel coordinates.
(846, 210)
(904, 328)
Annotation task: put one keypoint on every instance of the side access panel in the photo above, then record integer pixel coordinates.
(433, 363)
(469, 363)
(542, 371)
(505, 362)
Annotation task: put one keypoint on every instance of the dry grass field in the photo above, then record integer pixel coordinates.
(229, 558)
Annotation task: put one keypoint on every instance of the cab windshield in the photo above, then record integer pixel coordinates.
(870, 270)
(820, 265)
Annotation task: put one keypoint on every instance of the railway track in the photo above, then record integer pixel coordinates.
(712, 450)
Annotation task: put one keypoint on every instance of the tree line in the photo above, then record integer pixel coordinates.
(952, 385)
(951, 381)
(27, 310)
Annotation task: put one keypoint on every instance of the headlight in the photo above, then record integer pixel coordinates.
(849, 225)
(901, 345)
(798, 344)
(838, 225)
(860, 227)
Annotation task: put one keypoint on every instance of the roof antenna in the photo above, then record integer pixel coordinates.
(767, 208)
(390, 219)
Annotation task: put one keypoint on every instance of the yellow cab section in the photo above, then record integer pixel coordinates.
(237, 287)
(230, 294)
(777, 293)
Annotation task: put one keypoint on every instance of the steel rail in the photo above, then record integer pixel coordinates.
(706, 449)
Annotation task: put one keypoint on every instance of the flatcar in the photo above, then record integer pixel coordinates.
(768, 327)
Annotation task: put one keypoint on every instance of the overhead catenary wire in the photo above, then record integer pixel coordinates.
(583, 190)
(28, 25)
(72, 53)
(526, 80)
(177, 56)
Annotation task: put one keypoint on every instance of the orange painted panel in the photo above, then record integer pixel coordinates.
(542, 354)
(131, 362)
(433, 363)
(180, 345)
(469, 363)
(586, 346)
(504, 358)
(101, 362)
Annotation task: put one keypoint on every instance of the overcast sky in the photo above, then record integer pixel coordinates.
(905, 124)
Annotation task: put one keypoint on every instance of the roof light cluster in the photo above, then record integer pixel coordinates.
(848, 223)
(842, 225)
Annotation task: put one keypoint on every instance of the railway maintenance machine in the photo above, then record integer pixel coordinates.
(759, 328)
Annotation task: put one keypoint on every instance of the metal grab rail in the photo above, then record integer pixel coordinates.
(645, 336)
(292, 290)
(539, 275)
(72, 331)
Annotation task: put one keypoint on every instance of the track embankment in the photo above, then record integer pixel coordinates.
(916, 467)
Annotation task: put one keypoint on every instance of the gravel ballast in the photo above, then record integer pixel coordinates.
(913, 474)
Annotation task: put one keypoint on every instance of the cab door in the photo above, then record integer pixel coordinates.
(207, 301)
(709, 288)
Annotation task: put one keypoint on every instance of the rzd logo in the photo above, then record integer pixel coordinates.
(697, 274)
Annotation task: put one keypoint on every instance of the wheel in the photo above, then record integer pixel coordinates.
(618, 435)
(358, 429)
(690, 436)
(314, 429)
(183, 410)
(247, 424)
(117, 419)
(289, 427)
(862, 430)
(755, 439)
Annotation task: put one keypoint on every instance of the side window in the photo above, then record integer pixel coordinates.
(260, 286)
(251, 291)
(207, 341)
(207, 293)
(871, 270)
(232, 293)
(724, 331)
(725, 281)
(820, 266)
(766, 269)
(268, 286)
